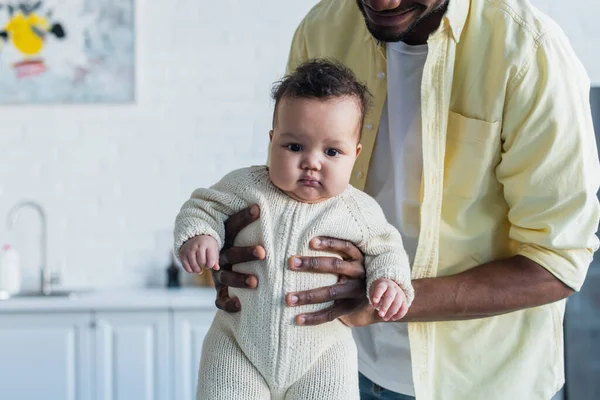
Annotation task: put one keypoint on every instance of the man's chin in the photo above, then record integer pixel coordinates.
(406, 31)
(386, 34)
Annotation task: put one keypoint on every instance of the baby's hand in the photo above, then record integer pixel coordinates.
(389, 299)
(200, 252)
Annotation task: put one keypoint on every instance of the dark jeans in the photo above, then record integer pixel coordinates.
(372, 391)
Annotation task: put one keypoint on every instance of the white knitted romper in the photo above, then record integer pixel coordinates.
(260, 352)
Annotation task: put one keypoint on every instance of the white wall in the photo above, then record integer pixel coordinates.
(113, 177)
(579, 20)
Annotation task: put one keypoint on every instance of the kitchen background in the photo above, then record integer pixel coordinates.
(112, 177)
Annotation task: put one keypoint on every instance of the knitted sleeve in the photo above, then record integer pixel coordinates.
(208, 208)
(382, 246)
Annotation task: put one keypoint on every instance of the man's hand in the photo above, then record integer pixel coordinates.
(225, 277)
(365, 315)
(348, 295)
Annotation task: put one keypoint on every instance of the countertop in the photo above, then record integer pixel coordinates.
(134, 299)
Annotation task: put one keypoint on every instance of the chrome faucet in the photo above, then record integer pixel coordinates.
(45, 274)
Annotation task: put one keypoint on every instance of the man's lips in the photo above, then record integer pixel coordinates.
(390, 17)
(391, 13)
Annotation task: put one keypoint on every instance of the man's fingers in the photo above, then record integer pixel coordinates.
(327, 265)
(345, 290)
(222, 291)
(228, 304)
(338, 309)
(224, 302)
(237, 255)
(223, 276)
(235, 279)
(346, 249)
(239, 221)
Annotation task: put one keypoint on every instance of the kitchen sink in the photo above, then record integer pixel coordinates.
(38, 294)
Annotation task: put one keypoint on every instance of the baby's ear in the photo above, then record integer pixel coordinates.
(271, 135)
(358, 149)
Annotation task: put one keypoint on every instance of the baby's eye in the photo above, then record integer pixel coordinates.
(332, 152)
(294, 147)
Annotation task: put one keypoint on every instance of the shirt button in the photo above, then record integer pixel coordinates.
(369, 126)
(359, 175)
(381, 76)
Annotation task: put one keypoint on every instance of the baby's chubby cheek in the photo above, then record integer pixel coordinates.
(274, 175)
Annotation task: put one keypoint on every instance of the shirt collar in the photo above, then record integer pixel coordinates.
(456, 17)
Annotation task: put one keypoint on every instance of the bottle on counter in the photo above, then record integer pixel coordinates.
(204, 279)
(10, 270)
(173, 274)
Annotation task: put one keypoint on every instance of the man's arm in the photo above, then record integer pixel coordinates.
(549, 168)
(490, 289)
(494, 288)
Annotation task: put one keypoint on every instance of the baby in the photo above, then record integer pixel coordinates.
(260, 353)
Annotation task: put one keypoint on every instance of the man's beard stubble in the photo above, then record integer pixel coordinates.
(383, 36)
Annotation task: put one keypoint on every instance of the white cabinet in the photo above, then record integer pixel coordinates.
(143, 345)
(132, 355)
(45, 356)
(190, 327)
(117, 355)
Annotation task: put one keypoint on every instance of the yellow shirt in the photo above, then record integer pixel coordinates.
(510, 166)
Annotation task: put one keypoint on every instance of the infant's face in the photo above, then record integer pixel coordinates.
(313, 147)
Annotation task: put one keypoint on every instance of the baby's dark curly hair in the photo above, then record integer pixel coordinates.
(322, 79)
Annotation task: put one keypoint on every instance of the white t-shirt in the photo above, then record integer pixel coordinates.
(394, 180)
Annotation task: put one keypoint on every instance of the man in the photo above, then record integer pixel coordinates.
(486, 161)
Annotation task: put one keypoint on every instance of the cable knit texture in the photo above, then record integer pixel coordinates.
(264, 332)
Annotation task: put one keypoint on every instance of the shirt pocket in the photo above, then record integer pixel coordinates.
(473, 150)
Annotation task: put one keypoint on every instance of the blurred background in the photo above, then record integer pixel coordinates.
(105, 129)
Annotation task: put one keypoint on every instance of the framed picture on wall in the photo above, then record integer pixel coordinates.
(67, 51)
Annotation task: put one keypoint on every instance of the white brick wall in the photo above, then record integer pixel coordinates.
(113, 177)
(579, 20)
